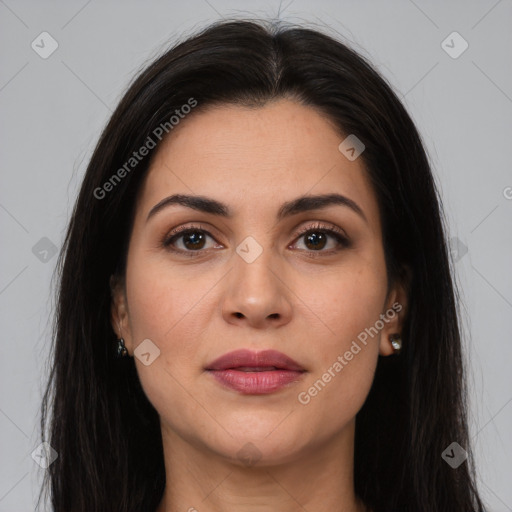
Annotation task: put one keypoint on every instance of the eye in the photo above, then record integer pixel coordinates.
(192, 237)
(316, 238)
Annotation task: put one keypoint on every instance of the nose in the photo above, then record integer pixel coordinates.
(256, 294)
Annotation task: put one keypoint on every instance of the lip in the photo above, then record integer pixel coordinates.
(255, 373)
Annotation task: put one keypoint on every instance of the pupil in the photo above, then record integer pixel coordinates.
(314, 238)
(196, 238)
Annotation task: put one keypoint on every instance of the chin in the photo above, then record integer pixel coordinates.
(259, 448)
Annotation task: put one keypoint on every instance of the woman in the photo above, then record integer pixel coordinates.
(258, 235)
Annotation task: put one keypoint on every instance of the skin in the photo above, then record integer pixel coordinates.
(195, 309)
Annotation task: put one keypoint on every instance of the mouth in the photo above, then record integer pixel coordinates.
(255, 373)
(255, 369)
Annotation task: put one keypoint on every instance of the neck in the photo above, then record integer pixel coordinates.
(318, 478)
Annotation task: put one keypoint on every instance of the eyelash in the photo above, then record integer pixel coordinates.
(330, 229)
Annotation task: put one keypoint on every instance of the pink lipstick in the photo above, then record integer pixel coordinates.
(255, 373)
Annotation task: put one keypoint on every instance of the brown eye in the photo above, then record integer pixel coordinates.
(191, 238)
(316, 238)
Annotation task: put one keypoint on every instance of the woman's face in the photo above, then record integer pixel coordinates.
(249, 280)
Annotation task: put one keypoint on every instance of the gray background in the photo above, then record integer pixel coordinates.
(52, 112)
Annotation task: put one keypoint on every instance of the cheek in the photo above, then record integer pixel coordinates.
(163, 307)
(351, 300)
(166, 308)
(350, 304)
(162, 298)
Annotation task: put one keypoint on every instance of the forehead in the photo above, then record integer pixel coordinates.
(255, 157)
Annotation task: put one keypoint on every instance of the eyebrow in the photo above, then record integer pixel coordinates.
(298, 205)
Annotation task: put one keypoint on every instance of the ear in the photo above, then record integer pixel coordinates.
(119, 315)
(395, 312)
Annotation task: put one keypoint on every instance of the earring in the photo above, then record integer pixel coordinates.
(121, 350)
(396, 341)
